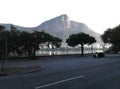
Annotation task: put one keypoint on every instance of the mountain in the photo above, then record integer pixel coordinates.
(60, 27)
(21, 28)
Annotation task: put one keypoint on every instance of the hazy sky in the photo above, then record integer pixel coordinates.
(96, 14)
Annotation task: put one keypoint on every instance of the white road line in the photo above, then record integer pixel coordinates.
(61, 81)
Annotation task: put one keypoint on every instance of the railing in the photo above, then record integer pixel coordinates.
(65, 51)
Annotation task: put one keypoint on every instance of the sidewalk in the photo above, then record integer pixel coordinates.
(20, 67)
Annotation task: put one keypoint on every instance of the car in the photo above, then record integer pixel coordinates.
(98, 55)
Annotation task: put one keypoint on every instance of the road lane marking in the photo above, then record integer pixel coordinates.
(61, 81)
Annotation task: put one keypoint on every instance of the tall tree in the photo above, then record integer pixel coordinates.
(2, 49)
(41, 37)
(82, 39)
(2, 41)
(26, 43)
(1, 28)
(31, 41)
(112, 36)
(106, 37)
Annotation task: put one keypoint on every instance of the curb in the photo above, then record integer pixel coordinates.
(21, 70)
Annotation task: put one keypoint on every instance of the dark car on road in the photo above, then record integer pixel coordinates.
(98, 55)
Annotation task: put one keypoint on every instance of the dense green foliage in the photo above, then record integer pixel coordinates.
(22, 43)
(112, 36)
(80, 38)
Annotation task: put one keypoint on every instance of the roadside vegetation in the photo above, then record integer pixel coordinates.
(112, 36)
(23, 44)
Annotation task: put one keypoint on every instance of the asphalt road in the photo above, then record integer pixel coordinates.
(67, 73)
